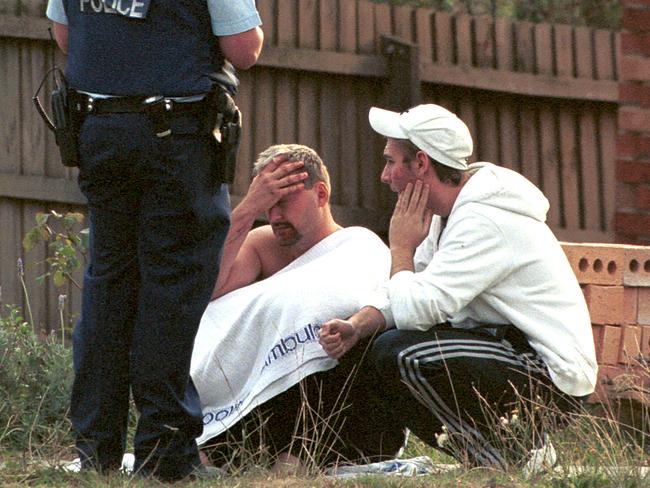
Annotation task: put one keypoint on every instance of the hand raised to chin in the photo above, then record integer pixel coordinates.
(411, 219)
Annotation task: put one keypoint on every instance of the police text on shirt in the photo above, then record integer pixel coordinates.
(135, 9)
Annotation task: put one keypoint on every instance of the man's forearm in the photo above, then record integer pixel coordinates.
(241, 222)
(368, 322)
(401, 260)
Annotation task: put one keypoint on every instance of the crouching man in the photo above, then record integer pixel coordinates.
(482, 315)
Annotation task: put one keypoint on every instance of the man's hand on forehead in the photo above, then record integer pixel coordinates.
(287, 171)
(283, 161)
(276, 180)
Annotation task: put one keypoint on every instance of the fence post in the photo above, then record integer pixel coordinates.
(403, 87)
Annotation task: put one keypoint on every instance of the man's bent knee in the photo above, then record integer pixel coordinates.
(384, 351)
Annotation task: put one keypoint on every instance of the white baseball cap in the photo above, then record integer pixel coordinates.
(432, 128)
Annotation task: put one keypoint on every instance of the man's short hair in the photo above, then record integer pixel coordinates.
(445, 173)
(314, 165)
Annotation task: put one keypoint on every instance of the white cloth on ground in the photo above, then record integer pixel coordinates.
(258, 341)
(417, 466)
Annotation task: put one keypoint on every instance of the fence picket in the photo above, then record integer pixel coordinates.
(524, 52)
(569, 168)
(487, 131)
(307, 82)
(508, 136)
(348, 161)
(263, 135)
(503, 35)
(606, 185)
(245, 157)
(563, 42)
(329, 133)
(328, 23)
(604, 51)
(383, 20)
(444, 38)
(424, 35)
(546, 138)
(403, 16)
(464, 47)
(308, 24)
(549, 159)
(484, 47)
(370, 151)
(266, 10)
(366, 27)
(584, 60)
(10, 251)
(33, 66)
(590, 167)
(10, 122)
(529, 122)
(287, 31)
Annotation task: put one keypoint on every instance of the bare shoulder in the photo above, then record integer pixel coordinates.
(272, 256)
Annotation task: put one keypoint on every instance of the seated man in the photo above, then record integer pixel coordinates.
(258, 341)
(482, 314)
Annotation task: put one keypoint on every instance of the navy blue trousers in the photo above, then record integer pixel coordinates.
(158, 220)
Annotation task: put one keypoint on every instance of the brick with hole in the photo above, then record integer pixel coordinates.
(609, 264)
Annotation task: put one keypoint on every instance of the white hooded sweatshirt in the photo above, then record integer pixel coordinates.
(497, 262)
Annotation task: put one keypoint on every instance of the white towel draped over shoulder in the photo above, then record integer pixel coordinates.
(260, 340)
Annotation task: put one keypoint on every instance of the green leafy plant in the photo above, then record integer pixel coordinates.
(67, 246)
(35, 383)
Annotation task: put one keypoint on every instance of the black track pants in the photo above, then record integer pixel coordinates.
(458, 389)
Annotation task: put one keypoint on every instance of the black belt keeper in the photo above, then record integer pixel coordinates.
(157, 108)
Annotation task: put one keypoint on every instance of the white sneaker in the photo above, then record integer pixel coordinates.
(540, 459)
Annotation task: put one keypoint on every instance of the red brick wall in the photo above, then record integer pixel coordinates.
(615, 279)
(632, 220)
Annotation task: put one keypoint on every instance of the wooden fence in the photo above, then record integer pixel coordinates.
(539, 98)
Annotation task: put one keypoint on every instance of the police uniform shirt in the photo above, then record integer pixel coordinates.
(182, 56)
(227, 17)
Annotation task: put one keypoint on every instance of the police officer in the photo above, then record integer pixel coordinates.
(145, 75)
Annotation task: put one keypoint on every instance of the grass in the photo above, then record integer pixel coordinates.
(36, 440)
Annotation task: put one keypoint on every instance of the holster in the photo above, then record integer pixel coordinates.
(65, 121)
(226, 129)
(66, 124)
